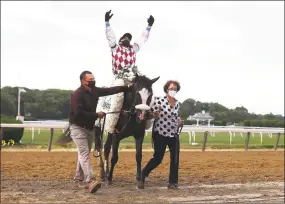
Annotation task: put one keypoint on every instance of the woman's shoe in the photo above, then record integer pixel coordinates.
(173, 186)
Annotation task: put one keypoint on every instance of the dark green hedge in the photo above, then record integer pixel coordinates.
(9, 134)
(263, 123)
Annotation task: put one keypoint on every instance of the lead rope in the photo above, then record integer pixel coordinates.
(99, 153)
(102, 131)
(101, 137)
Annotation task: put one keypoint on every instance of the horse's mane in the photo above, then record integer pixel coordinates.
(143, 79)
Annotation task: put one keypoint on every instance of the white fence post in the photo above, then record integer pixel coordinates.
(33, 135)
(231, 135)
(190, 138)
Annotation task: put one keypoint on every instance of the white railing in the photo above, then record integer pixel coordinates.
(186, 128)
(191, 130)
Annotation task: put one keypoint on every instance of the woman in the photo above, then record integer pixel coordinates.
(165, 133)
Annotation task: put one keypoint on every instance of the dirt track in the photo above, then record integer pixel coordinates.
(204, 177)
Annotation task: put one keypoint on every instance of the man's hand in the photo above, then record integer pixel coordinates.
(131, 85)
(108, 16)
(150, 20)
(101, 114)
(180, 123)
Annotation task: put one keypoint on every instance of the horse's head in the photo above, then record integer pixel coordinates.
(142, 93)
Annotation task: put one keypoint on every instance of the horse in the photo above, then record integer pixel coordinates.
(131, 124)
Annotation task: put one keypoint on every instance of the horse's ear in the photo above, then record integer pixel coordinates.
(155, 79)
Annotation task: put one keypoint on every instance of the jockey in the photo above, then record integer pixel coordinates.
(123, 64)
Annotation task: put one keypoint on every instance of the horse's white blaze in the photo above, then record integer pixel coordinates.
(144, 95)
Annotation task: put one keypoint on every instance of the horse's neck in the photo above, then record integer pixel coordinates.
(128, 101)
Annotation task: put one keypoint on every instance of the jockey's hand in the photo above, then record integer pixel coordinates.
(150, 20)
(101, 114)
(108, 16)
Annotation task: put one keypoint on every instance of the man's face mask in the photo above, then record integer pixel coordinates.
(91, 84)
(126, 43)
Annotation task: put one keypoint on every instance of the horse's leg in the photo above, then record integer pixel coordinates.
(115, 155)
(107, 149)
(139, 142)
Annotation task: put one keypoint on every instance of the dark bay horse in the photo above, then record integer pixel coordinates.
(132, 123)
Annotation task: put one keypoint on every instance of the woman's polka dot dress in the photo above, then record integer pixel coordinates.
(167, 123)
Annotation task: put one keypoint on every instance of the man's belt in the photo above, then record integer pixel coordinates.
(85, 127)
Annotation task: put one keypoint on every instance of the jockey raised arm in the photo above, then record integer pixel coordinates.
(126, 38)
(123, 53)
(123, 64)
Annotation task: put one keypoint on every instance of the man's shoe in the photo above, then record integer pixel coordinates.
(94, 186)
(81, 184)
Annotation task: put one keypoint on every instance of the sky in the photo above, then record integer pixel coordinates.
(227, 52)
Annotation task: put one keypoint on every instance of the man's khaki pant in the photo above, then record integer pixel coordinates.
(83, 140)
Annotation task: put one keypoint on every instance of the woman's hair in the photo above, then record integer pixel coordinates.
(167, 84)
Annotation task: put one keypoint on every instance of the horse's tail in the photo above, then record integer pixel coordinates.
(65, 137)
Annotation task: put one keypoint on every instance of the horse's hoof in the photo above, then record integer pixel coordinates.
(109, 183)
(140, 185)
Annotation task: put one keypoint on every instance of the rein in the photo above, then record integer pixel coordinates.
(131, 111)
(102, 130)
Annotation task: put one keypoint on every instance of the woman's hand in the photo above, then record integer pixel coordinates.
(155, 114)
(180, 123)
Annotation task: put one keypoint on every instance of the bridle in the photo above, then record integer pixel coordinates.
(132, 111)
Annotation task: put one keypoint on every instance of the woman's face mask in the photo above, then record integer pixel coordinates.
(172, 93)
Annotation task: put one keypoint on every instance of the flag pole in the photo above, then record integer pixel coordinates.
(19, 99)
(19, 117)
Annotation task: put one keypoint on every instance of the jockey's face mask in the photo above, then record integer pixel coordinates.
(126, 43)
(126, 40)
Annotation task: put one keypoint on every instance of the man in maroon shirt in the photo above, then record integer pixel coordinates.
(82, 117)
